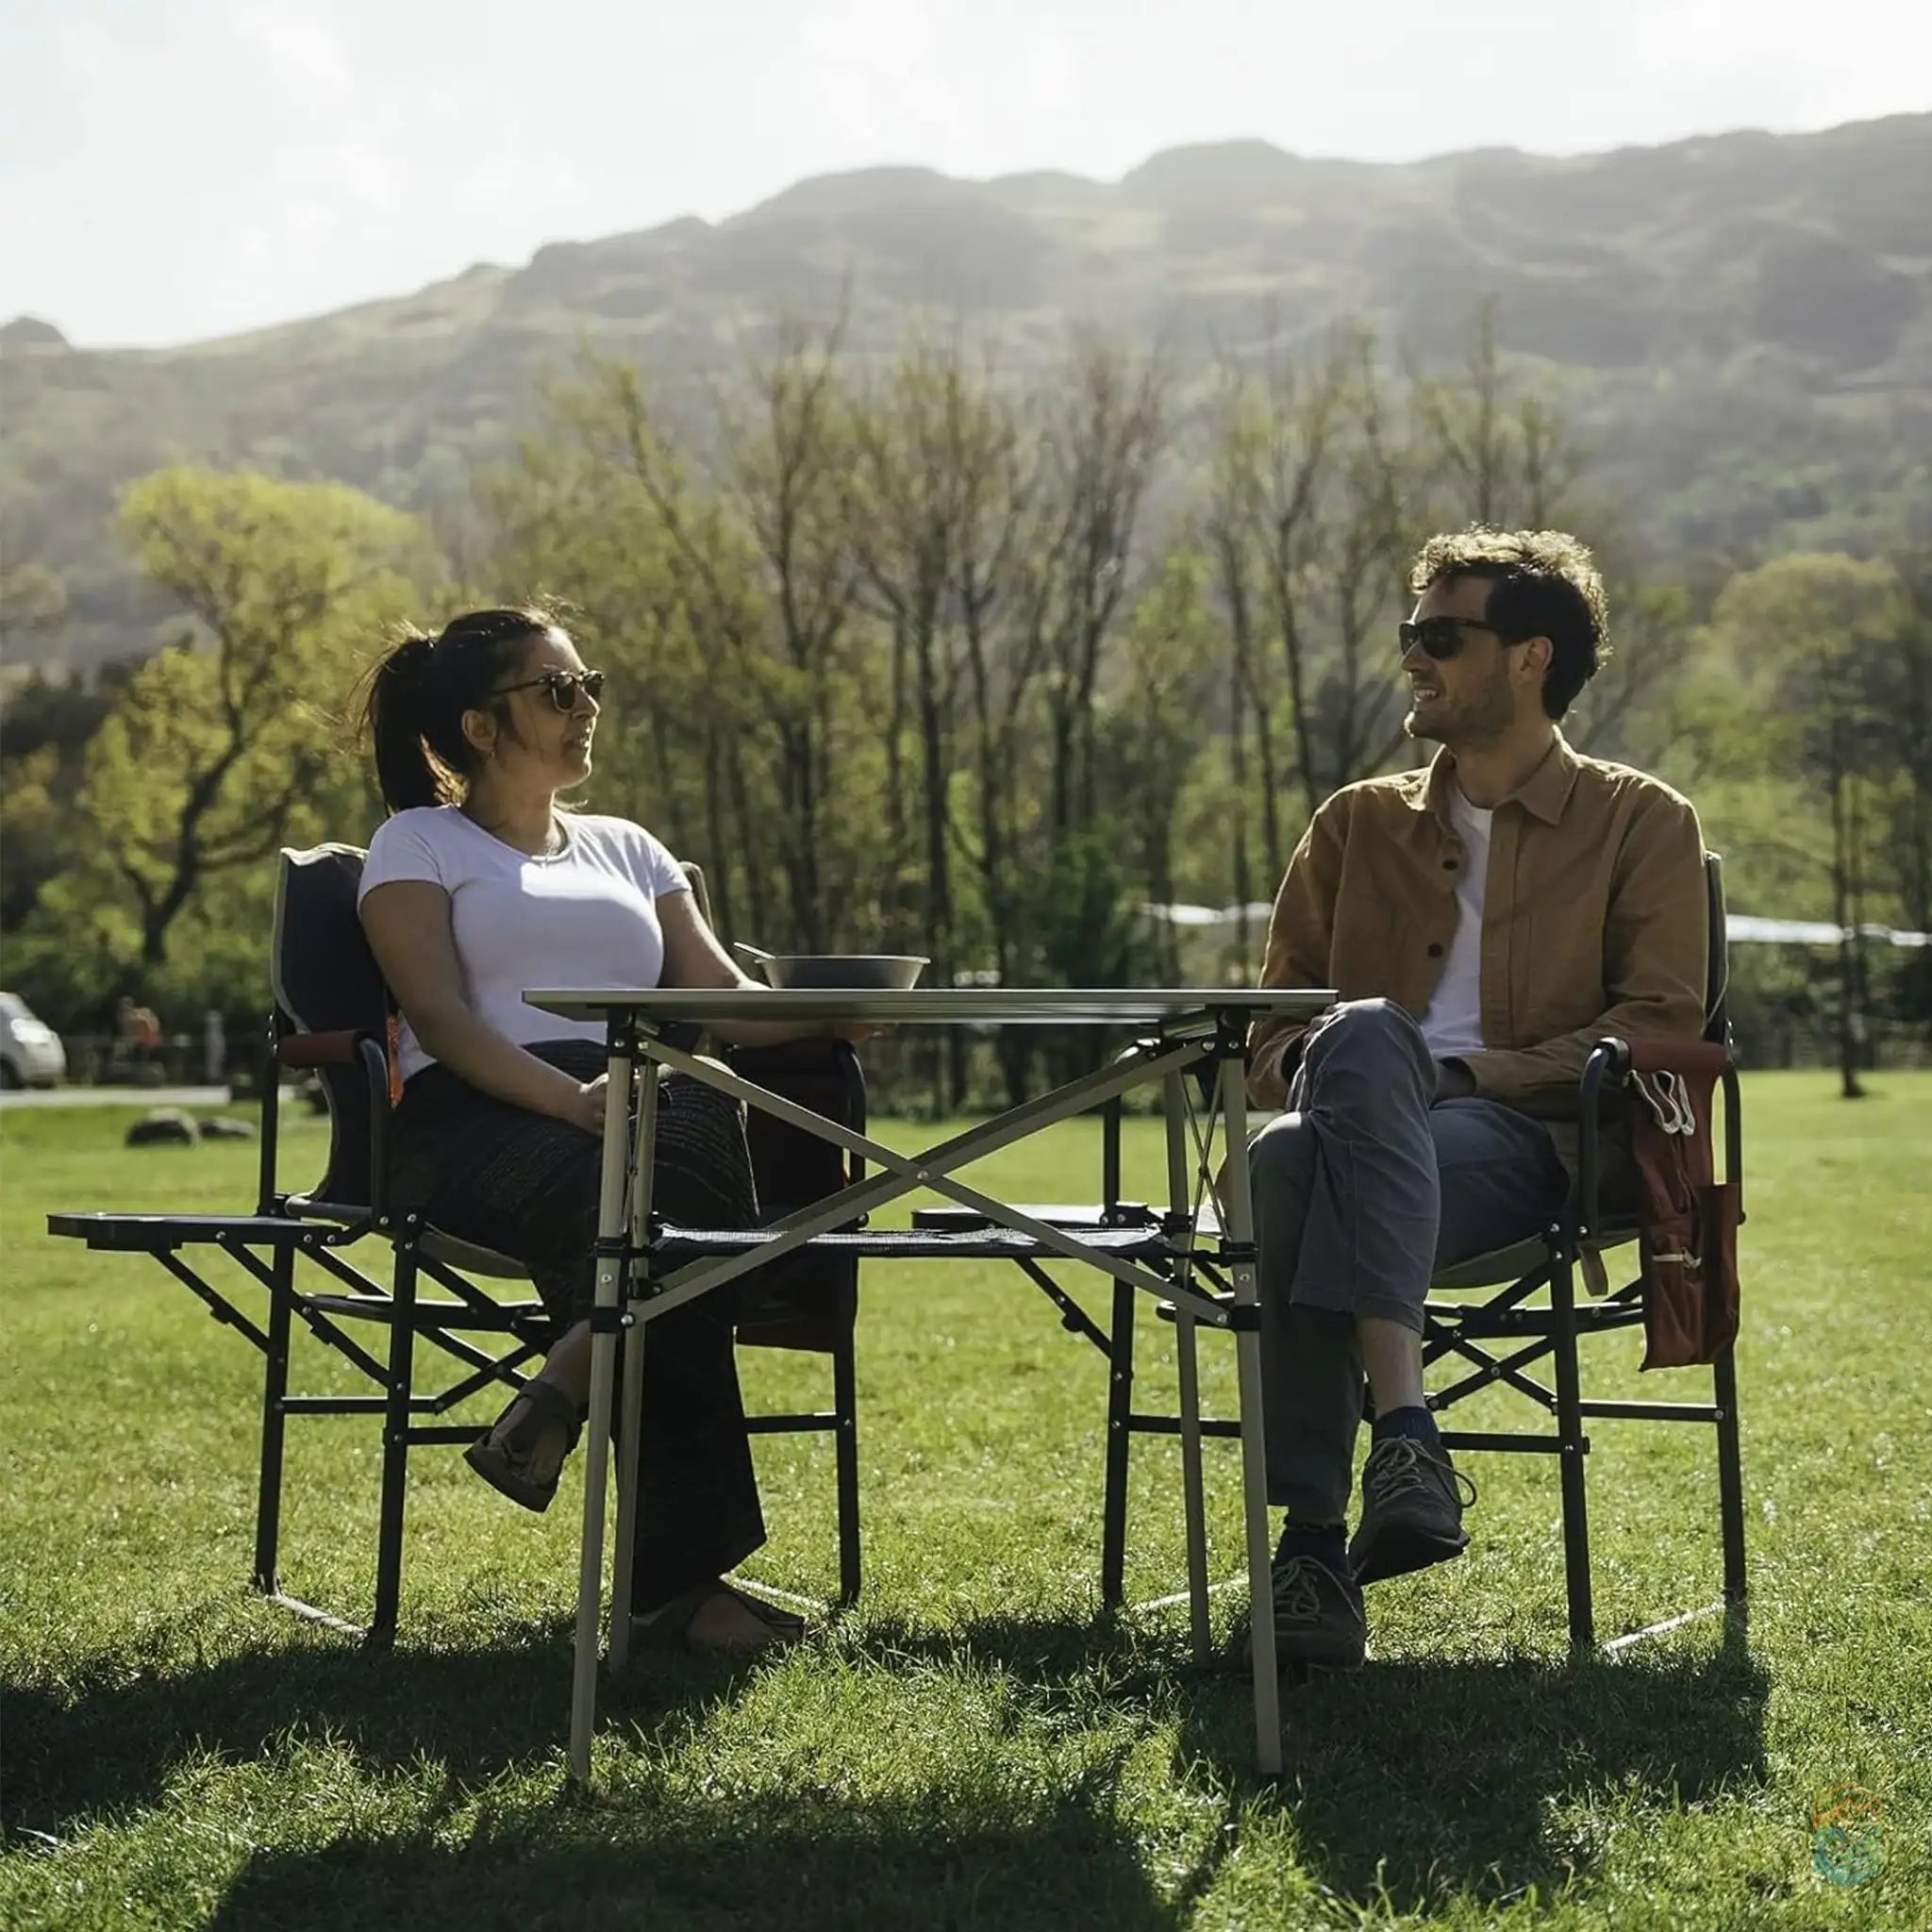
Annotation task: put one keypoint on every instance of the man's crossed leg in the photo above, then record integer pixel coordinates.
(1363, 1190)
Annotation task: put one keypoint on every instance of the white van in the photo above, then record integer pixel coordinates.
(30, 1051)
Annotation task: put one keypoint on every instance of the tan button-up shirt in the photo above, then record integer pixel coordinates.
(1595, 916)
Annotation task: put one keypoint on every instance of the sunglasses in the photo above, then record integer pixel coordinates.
(1442, 637)
(563, 687)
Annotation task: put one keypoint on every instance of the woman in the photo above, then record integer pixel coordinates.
(477, 886)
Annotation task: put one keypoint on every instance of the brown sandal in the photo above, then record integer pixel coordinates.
(668, 1627)
(510, 1456)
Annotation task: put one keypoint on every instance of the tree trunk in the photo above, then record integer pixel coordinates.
(1849, 1087)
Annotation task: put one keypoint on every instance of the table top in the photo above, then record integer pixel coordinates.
(1007, 1005)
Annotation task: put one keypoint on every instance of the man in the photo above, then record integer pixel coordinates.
(1485, 923)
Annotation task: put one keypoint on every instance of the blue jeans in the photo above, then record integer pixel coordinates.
(1367, 1187)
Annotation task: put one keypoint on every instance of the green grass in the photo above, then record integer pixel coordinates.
(975, 1746)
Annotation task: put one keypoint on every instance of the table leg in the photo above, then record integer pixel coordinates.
(1187, 1360)
(630, 1432)
(611, 1271)
(1247, 1343)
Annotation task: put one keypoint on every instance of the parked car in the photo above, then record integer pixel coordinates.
(30, 1051)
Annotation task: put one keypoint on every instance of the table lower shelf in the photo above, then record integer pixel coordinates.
(908, 1244)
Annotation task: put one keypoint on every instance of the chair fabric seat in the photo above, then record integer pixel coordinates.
(472, 1259)
(311, 1207)
(1501, 1266)
(1477, 1320)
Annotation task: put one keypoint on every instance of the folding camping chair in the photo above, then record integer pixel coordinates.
(331, 1015)
(1502, 1336)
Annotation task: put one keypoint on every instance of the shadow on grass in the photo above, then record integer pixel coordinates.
(1416, 1782)
(677, 1862)
(667, 1846)
(111, 1742)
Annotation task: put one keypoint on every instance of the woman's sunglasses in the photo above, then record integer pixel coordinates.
(1442, 637)
(563, 687)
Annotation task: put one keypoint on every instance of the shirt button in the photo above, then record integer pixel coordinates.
(1435, 952)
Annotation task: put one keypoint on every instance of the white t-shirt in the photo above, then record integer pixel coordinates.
(1453, 1023)
(585, 916)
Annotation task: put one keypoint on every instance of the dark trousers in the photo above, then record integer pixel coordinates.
(1364, 1189)
(528, 1185)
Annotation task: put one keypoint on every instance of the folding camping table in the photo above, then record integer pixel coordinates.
(645, 1270)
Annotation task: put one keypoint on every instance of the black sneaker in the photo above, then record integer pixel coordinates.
(1412, 1504)
(1318, 1616)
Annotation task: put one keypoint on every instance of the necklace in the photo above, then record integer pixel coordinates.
(555, 837)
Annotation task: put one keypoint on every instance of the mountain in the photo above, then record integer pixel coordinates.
(1743, 325)
(29, 332)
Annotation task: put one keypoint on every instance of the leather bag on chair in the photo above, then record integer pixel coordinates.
(1689, 1243)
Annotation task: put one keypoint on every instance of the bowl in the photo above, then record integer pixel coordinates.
(846, 972)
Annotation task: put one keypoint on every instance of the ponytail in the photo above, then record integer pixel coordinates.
(419, 693)
(394, 714)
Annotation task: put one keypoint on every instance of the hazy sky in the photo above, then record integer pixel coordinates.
(175, 169)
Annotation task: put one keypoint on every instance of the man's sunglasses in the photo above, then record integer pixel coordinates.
(563, 687)
(1442, 637)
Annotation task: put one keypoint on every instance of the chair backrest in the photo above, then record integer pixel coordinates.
(325, 980)
(1717, 984)
(700, 892)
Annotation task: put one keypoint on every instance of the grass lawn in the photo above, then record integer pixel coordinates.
(975, 1746)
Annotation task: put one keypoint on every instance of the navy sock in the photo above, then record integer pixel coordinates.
(1325, 1541)
(1416, 1423)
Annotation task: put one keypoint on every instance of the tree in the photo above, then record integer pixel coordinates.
(1815, 638)
(1901, 724)
(1313, 509)
(1499, 453)
(932, 449)
(1267, 474)
(1167, 656)
(1105, 428)
(218, 739)
(915, 437)
(661, 591)
(34, 829)
(31, 598)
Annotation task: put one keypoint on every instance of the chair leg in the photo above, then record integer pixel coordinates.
(1576, 1445)
(1730, 1475)
(396, 1454)
(275, 1388)
(1120, 1404)
(1193, 1505)
(845, 1464)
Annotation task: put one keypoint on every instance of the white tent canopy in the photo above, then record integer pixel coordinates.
(1810, 932)
(1209, 915)
(1746, 928)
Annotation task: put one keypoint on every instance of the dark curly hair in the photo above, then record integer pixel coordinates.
(1542, 584)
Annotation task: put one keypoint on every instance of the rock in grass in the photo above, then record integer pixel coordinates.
(222, 1129)
(164, 1126)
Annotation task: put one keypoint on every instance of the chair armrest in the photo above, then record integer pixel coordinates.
(319, 1049)
(1627, 1057)
(348, 1048)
